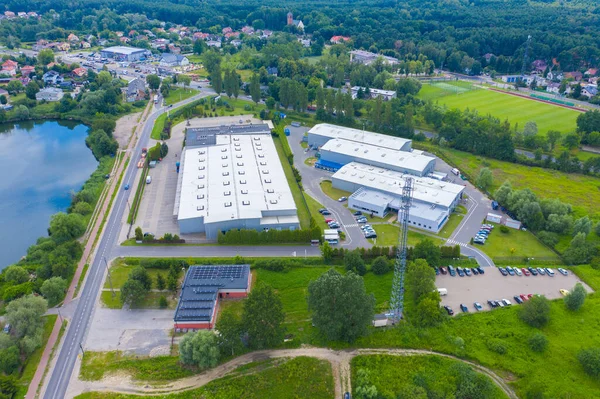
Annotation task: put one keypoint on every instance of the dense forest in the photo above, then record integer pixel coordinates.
(444, 31)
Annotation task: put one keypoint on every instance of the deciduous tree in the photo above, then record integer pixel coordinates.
(575, 299)
(535, 312)
(54, 289)
(341, 308)
(199, 349)
(230, 330)
(132, 292)
(262, 317)
(16, 274)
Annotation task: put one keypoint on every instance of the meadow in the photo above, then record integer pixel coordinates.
(434, 372)
(276, 379)
(502, 106)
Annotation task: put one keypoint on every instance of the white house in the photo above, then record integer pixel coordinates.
(173, 60)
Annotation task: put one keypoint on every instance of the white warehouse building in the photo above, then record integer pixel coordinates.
(323, 132)
(378, 190)
(231, 178)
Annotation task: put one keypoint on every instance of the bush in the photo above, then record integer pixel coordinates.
(504, 229)
(162, 302)
(575, 299)
(547, 238)
(538, 342)
(381, 265)
(590, 361)
(496, 345)
(535, 312)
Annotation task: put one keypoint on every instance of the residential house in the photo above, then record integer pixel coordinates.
(555, 75)
(589, 91)
(576, 76)
(174, 49)
(22, 14)
(136, 90)
(159, 43)
(85, 45)
(63, 46)
(102, 42)
(173, 60)
(248, 30)
(230, 35)
(32, 14)
(124, 40)
(488, 56)
(27, 70)
(265, 34)
(52, 78)
(9, 14)
(9, 67)
(539, 66)
(304, 42)
(72, 38)
(272, 71)
(226, 30)
(214, 43)
(591, 72)
(119, 34)
(553, 87)
(49, 94)
(200, 36)
(339, 39)
(79, 72)
(296, 22)
(40, 45)
(236, 43)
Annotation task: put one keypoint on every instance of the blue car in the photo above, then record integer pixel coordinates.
(126, 187)
(503, 271)
(480, 270)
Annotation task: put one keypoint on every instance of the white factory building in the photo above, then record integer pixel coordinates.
(379, 190)
(125, 53)
(231, 178)
(341, 145)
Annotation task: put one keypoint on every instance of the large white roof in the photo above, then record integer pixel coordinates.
(238, 178)
(361, 136)
(123, 50)
(372, 153)
(425, 189)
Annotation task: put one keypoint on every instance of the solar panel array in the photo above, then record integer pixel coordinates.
(201, 289)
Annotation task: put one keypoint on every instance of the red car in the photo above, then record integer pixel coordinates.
(523, 297)
(529, 296)
(443, 270)
(328, 220)
(526, 272)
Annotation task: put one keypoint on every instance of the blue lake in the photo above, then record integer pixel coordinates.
(41, 165)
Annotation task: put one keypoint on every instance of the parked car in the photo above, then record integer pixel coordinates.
(449, 310)
(564, 292)
(510, 270)
(328, 220)
(550, 272)
(477, 306)
(500, 303)
(357, 213)
(492, 303)
(467, 271)
(334, 225)
(342, 199)
(326, 213)
(480, 270)
(506, 302)
(503, 271)
(460, 272)
(475, 271)
(443, 270)
(361, 221)
(523, 297)
(6, 328)
(437, 271)
(563, 271)
(322, 210)
(126, 187)
(518, 272)
(464, 308)
(529, 296)
(477, 241)
(371, 235)
(518, 299)
(541, 271)
(526, 271)
(533, 271)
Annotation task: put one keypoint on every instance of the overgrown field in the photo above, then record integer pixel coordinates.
(583, 192)
(393, 374)
(301, 377)
(502, 106)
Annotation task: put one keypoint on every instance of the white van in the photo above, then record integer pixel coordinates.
(456, 171)
(148, 179)
(442, 291)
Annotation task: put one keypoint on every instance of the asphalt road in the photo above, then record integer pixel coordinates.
(80, 322)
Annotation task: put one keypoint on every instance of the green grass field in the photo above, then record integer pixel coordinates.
(179, 94)
(332, 192)
(436, 372)
(387, 236)
(582, 192)
(502, 106)
(275, 379)
(516, 244)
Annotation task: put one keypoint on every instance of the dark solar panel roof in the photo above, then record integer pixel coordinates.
(201, 287)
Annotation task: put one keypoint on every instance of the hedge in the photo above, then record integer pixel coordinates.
(253, 237)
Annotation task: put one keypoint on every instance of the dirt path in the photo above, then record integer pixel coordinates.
(124, 129)
(340, 362)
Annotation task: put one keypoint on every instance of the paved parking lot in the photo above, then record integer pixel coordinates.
(140, 332)
(493, 285)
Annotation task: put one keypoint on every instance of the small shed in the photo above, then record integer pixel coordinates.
(492, 217)
(380, 320)
(513, 224)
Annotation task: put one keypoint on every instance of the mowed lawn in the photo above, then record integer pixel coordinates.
(516, 243)
(505, 106)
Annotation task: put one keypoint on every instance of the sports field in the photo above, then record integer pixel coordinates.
(458, 94)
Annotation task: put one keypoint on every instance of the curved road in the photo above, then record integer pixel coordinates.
(340, 362)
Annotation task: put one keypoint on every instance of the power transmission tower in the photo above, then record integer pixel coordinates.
(397, 298)
(526, 56)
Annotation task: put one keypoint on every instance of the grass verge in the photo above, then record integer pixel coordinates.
(516, 244)
(333, 193)
(179, 94)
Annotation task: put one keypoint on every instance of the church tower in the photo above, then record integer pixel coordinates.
(290, 18)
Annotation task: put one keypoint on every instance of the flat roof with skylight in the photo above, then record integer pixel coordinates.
(327, 130)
